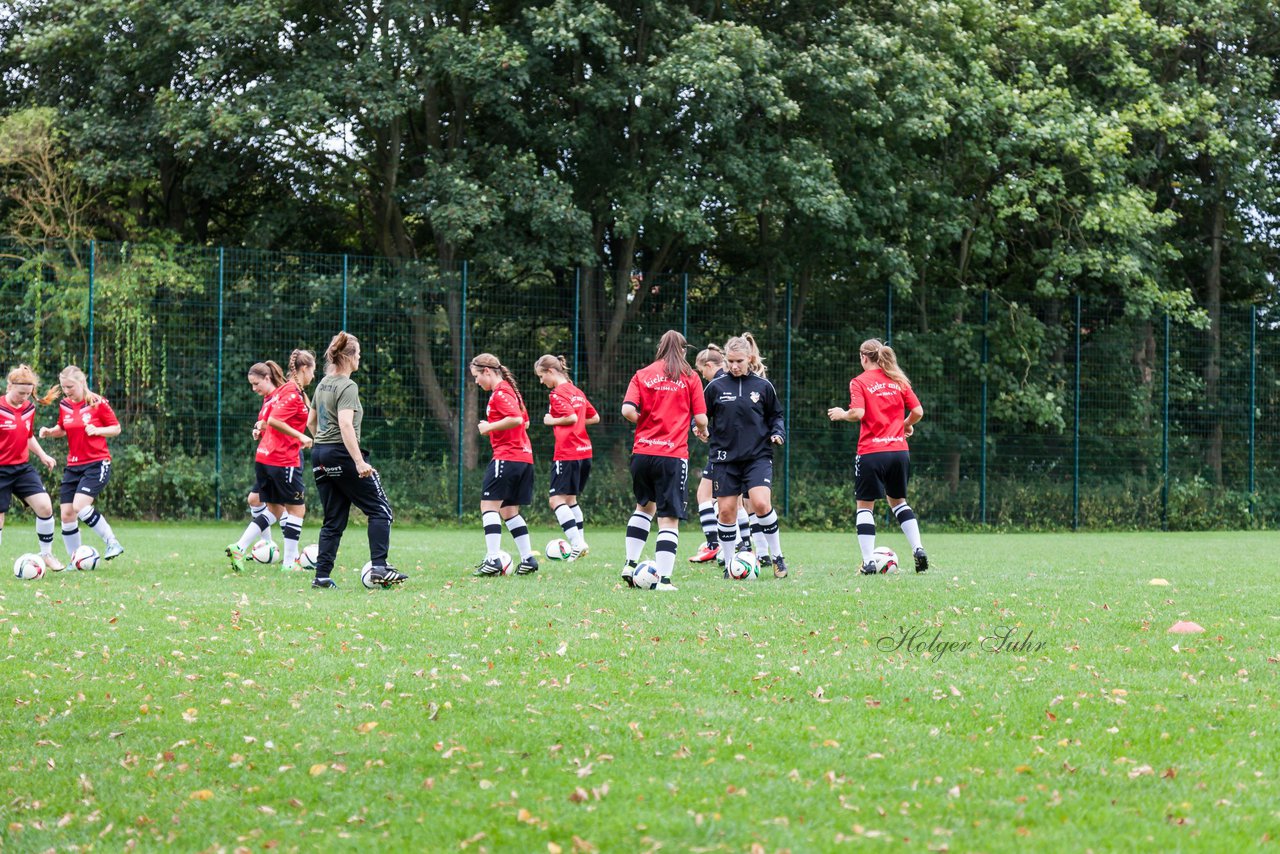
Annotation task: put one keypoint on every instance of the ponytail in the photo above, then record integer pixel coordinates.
(338, 353)
(492, 363)
(298, 360)
(882, 356)
(713, 355)
(71, 372)
(268, 370)
(551, 363)
(671, 353)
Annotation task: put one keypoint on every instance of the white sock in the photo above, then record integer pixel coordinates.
(637, 534)
(758, 540)
(291, 528)
(769, 531)
(709, 522)
(71, 537)
(910, 527)
(744, 523)
(520, 532)
(44, 533)
(568, 524)
(866, 533)
(577, 515)
(259, 527)
(492, 522)
(667, 545)
(95, 520)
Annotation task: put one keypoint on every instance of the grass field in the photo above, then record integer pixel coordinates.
(1035, 700)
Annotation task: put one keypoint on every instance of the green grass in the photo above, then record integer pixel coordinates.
(163, 699)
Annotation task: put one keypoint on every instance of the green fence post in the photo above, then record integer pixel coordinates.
(1164, 436)
(1253, 397)
(577, 312)
(1075, 453)
(684, 317)
(462, 386)
(217, 453)
(982, 448)
(93, 251)
(344, 291)
(786, 447)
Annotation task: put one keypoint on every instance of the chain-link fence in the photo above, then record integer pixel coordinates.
(1040, 413)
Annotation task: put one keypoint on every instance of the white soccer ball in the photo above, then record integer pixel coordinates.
(508, 566)
(645, 576)
(264, 551)
(744, 567)
(366, 577)
(28, 567)
(559, 550)
(308, 556)
(885, 560)
(85, 557)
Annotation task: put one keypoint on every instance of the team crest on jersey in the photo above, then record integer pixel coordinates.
(755, 397)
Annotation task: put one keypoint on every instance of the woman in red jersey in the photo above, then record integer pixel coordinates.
(279, 460)
(265, 378)
(87, 420)
(878, 399)
(17, 475)
(569, 414)
(508, 480)
(661, 400)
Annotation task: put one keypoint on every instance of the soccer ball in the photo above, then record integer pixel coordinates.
(85, 557)
(646, 575)
(308, 556)
(28, 567)
(559, 550)
(744, 567)
(885, 560)
(264, 551)
(366, 577)
(507, 566)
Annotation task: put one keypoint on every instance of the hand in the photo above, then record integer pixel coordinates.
(483, 427)
(45, 431)
(49, 462)
(257, 434)
(306, 440)
(363, 469)
(835, 413)
(777, 440)
(91, 429)
(907, 431)
(702, 433)
(546, 419)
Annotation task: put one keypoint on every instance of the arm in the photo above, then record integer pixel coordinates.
(106, 431)
(777, 428)
(594, 419)
(507, 423)
(55, 432)
(835, 413)
(347, 426)
(34, 447)
(563, 421)
(630, 412)
(281, 427)
(913, 418)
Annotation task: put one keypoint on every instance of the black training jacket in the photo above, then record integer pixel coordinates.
(743, 413)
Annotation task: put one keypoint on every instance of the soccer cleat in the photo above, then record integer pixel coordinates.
(579, 551)
(869, 568)
(52, 563)
(665, 585)
(628, 573)
(114, 549)
(528, 566)
(292, 566)
(387, 576)
(765, 561)
(705, 552)
(325, 583)
(236, 556)
(779, 567)
(742, 546)
(490, 567)
(922, 560)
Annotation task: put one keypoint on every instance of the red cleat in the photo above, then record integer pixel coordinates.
(705, 553)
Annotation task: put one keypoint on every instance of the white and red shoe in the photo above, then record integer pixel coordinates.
(705, 553)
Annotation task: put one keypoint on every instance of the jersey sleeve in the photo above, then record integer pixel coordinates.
(504, 405)
(856, 399)
(697, 396)
(773, 414)
(348, 398)
(287, 407)
(105, 415)
(588, 410)
(909, 398)
(633, 393)
(559, 406)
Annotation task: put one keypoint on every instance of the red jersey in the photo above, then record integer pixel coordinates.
(572, 442)
(885, 402)
(17, 425)
(511, 444)
(666, 408)
(73, 418)
(280, 449)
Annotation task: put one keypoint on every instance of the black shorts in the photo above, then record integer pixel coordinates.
(87, 479)
(881, 475)
(21, 480)
(508, 482)
(569, 477)
(663, 480)
(736, 477)
(279, 484)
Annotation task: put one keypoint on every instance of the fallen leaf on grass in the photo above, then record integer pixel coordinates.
(318, 769)
(201, 795)
(367, 727)
(1158, 582)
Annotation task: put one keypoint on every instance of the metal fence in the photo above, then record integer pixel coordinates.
(1040, 413)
